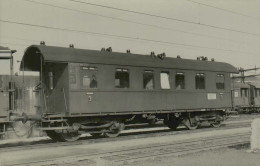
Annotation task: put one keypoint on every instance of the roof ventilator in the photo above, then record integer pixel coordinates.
(152, 54)
(161, 56)
(109, 49)
(42, 43)
(202, 58)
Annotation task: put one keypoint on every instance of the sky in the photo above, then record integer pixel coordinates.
(226, 30)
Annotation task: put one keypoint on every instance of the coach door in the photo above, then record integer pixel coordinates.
(55, 90)
(88, 85)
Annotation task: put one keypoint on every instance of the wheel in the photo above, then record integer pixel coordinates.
(54, 136)
(95, 135)
(152, 122)
(191, 124)
(216, 124)
(70, 136)
(63, 136)
(171, 124)
(115, 130)
(19, 130)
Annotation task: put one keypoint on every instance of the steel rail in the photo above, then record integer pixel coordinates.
(123, 136)
(179, 146)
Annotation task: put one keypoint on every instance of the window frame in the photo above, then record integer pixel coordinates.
(204, 82)
(246, 90)
(219, 76)
(169, 80)
(153, 79)
(184, 82)
(123, 70)
(93, 71)
(257, 92)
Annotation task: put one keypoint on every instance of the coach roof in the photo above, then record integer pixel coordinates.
(255, 84)
(31, 59)
(241, 85)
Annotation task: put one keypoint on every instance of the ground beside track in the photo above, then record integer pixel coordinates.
(134, 133)
(242, 118)
(212, 157)
(229, 156)
(47, 153)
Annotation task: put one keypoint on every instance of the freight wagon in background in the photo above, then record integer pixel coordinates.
(99, 92)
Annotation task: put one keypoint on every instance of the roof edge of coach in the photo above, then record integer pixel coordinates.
(67, 54)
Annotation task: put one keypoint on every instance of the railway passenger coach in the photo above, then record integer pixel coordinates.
(99, 92)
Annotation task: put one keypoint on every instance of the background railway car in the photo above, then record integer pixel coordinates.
(24, 95)
(246, 97)
(99, 92)
(241, 97)
(24, 98)
(255, 96)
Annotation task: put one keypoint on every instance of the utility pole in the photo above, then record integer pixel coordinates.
(242, 74)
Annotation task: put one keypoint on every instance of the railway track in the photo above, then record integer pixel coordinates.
(128, 135)
(118, 157)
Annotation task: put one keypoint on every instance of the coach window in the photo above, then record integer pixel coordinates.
(165, 80)
(179, 81)
(257, 92)
(88, 77)
(200, 81)
(1, 83)
(122, 78)
(244, 92)
(220, 81)
(148, 79)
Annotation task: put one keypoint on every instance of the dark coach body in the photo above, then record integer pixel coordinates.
(88, 89)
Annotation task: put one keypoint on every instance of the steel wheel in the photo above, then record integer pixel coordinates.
(95, 135)
(216, 124)
(63, 136)
(115, 130)
(70, 136)
(171, 124)
(19, 130)
(191, 124)
(54, 136)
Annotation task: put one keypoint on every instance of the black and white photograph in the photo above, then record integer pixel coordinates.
(129, 83)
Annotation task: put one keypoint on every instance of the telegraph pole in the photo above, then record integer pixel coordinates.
(242, 74)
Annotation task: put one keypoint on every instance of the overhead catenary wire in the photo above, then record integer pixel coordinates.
(118, 36)
(133, 22)
(226, 10)
(165, 17)
(17, 44)
(62, 44)
(30, 40)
